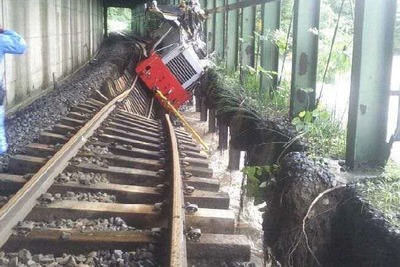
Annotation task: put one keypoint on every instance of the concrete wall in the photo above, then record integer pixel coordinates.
(61, 35)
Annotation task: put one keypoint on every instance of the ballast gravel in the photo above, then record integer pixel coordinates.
(140, 257)
(25, 125)
(102, 224)
(48, 198)
(83, 178)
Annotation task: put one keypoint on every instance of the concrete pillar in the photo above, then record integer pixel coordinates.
(105, 21)
(305, 55)
(234, 159)
(222, 136)
(198, 103)
(203, 109)
(370, 82)
(211, 120)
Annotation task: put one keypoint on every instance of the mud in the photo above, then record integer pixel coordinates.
(362, 237)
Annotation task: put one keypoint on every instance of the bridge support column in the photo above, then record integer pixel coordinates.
(370, 83)
(305, 55)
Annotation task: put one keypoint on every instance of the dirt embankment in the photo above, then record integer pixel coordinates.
(338, 230)
(341, 228)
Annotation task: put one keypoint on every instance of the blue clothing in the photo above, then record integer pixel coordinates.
(10, 43)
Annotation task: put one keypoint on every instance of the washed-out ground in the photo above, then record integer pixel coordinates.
(249, 218)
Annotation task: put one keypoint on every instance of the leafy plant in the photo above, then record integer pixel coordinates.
(259, 180)
(324, 134)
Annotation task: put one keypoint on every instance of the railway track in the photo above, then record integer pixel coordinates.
(116, 185)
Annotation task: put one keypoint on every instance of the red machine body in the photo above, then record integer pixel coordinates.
(156, 75)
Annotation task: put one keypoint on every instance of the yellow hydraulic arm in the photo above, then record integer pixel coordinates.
(171, 108)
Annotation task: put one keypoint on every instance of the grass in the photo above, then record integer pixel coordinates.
(383, 193)
(247, 97)
(324, 134)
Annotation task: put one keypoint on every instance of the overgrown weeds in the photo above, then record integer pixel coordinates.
(324, 133)
(383, 193)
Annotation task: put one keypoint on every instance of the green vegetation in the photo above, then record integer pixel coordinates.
(247, 98)
(326, 136)
(119, 19)
(383, 193)
(260, 181)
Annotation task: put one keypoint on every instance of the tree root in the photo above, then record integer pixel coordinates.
(308, 215)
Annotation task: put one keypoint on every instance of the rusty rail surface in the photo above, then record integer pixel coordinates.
(177, 253)
(25, 199)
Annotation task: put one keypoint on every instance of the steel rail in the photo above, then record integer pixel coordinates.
(19, 206)
(177, 253)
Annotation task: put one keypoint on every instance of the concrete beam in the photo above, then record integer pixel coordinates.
(305, 55)
(370, 83)
(270, 13)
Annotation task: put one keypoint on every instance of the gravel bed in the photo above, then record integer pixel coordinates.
(83, 178)
(110, 224)
(98, 150)
(90, 160)
(24, 126)
(140, 257)
(47, 198)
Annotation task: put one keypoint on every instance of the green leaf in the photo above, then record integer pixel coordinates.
(308, 117)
